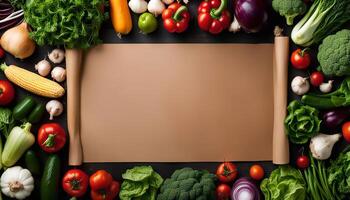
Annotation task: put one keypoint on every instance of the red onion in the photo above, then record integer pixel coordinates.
(250, 14)
(244, 189)
(8, 16)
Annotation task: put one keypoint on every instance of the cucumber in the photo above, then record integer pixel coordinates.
(50, 179)
(37, 113)
(32, 162)
(23, 108)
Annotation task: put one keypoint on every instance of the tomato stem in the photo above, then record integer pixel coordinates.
(302, 52)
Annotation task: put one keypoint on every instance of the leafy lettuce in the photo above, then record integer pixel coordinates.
(140, 183)
(73, 23)
(284, 183)
(339, 174)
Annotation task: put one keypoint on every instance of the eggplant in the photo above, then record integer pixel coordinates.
(333, 118)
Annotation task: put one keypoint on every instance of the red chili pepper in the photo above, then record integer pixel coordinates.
(213, 16)
(176, 18)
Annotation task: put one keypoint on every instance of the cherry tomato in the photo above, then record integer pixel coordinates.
(316, 78)
(223, 192)
(51, 137)
(2, 53)
(300, 59)
(226, 172)
(100, 180)
(7, 92)
(346, 131)
(106, 194)
(75, 182)
(256, 172)
(303, 162)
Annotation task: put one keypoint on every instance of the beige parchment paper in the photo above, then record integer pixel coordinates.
(177, 103)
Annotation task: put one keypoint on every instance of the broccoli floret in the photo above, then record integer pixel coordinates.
(188, 184)
(334, 54)
(289, 9)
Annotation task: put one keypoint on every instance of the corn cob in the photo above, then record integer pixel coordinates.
(32, 82)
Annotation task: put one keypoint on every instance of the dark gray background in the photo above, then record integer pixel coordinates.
(192, 35)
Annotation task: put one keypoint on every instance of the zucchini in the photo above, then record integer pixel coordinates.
(50, 179)
(32, 162)
(23, 108)
(37, 113)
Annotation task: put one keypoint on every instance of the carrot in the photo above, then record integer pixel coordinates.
(120, 15)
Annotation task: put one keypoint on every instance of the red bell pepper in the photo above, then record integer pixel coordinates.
(176, 18)
(213, 16)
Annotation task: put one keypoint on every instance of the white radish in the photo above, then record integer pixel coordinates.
(58, 74)
(54, 108)
(43, 67)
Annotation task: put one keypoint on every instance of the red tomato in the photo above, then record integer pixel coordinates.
(106, 194)
(226, 172)
(303, 162)
(7, 92)
(316, 78)
(51, 137)
(256, 172)
(300, 59)
(223, 192)
(100, 180)
(114, 189)
(2, 53)
(75, 182)
(346, 131)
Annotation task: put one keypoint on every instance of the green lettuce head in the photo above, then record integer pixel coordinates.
(302, 122)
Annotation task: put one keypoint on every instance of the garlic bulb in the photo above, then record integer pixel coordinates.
(300, 85)
(321, 145)
(156, 7)
(167, 2)
(43, 67)
(17, 182)
(138, 6)
(326, 87)
(234, 27)
(58, 74)
(56, 56)
(54, 108)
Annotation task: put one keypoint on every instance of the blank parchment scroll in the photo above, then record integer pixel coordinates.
(177, 103)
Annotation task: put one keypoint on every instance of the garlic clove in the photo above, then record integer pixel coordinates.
(58, 74)
(300, 85)
(326, 87)
(54, 108)
(321, 145)
(138, 6)
(43, 67)
(155, 7)
(56, 56)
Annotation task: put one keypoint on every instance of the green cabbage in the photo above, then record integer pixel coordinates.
(302, 122)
